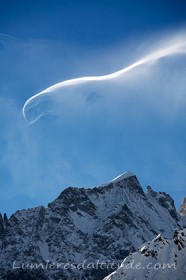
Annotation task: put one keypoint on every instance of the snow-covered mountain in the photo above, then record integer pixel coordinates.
(82, 229)
(158, 259)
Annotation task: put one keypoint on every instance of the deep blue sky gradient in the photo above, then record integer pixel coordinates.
(88, 22)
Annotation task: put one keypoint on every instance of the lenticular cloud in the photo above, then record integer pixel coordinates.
(39, 104)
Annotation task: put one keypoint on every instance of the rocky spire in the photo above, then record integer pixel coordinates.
(182, 209)
(5, 218)
(1, 225)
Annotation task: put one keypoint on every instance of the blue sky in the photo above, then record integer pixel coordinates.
(97, 131)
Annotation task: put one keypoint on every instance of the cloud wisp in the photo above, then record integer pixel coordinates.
(169, 47)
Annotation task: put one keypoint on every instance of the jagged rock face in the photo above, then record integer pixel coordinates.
(105, 223)
(157, 259)
(165, 201)
(182, 209)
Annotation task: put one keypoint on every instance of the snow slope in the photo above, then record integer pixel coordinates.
(158, 259)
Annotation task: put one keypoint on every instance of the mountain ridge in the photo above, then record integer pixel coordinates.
(103, 223)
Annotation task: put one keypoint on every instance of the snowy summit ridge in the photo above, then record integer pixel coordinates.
(122, 176)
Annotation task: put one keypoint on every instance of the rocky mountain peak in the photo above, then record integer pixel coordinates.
(77, 198)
